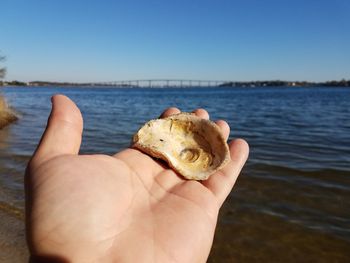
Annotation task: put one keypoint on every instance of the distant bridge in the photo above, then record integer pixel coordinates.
(161, 83)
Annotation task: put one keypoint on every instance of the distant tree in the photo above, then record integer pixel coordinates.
(2, 70)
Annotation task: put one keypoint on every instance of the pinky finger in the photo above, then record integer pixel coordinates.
(222, 182)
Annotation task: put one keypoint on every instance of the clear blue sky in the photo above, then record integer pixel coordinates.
(201, 39)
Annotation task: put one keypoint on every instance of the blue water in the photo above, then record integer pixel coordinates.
(299, 166)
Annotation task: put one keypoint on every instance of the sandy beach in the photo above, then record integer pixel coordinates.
(13, 247)
(6, 113)
(12, 234)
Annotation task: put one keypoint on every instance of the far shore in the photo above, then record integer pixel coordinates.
(183, 83)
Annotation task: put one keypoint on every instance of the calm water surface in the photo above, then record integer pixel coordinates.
(292, 201)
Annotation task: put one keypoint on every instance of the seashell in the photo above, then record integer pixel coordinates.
(192, 146)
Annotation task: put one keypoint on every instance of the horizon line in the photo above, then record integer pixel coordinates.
(174, 80)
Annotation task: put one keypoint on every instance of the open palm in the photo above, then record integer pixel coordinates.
(122, 208)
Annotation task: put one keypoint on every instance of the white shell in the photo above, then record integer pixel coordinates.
(192, 146)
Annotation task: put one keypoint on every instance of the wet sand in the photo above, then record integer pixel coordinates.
(256, 237)
(13, 248)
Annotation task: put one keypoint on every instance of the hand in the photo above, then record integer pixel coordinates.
(121, 208)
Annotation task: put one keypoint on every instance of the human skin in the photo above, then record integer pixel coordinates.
(126, 207)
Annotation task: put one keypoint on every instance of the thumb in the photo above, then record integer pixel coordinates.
(63, 131)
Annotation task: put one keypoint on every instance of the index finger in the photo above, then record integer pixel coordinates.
(169, 111)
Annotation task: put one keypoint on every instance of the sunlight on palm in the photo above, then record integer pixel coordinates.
(123, 208)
